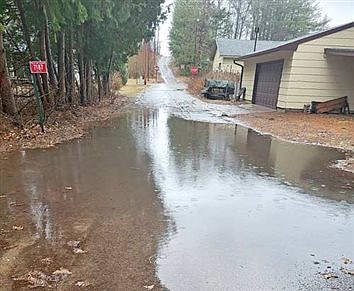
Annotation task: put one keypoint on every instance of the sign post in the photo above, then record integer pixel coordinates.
(157, 69)
(38, 67)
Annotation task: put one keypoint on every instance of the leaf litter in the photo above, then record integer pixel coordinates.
(36, 279)
(75, 246)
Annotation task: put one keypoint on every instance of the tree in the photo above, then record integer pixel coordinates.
(285, 19)
(92, 38)
(195, 25)
(7, 101)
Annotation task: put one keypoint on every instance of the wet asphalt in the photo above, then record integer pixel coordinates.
(175, 181)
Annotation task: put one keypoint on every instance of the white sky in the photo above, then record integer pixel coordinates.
(339, 11)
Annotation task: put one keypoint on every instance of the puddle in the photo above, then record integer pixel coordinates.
(244, 211)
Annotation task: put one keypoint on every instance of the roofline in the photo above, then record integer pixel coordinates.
(231, 39)
(230, 56)
(293, 45)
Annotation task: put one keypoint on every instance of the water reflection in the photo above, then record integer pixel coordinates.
(247, 210)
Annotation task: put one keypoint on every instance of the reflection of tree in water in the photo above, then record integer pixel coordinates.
(202, 148)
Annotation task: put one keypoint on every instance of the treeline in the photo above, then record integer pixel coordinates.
(197, 23)
(82, 41)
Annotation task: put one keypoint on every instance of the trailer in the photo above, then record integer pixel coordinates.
(218, 89)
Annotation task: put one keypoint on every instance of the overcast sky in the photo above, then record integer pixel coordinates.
(339, 11)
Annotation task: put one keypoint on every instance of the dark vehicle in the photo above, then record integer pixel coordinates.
(218, 89)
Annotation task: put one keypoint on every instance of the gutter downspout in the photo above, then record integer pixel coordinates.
(241, 78)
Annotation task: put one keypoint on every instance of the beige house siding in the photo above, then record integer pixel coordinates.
(308, 74)
(317, 77)
(217, 60)
(250, 70)
(227, 64)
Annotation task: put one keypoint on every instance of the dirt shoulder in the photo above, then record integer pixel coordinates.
(335, 131)
(66, 124)
(61, 125)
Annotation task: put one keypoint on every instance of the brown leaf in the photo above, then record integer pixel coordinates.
(17, 227)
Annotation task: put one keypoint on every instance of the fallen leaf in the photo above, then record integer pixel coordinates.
(16, 227)
(328, 276)
(82, 284)
(73, 243)
(35, 279)
(10, 247)
(13, 203)
(346, 271)
(60, 274)
(62, 271)
(47, 261)
(347, 261)
(79, 251)
(149, 287)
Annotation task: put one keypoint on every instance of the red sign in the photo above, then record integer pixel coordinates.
(38, 67)
(194, 70)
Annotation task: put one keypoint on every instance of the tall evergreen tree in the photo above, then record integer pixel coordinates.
(91, 38)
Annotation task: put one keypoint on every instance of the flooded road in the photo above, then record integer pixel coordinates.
(218, 206)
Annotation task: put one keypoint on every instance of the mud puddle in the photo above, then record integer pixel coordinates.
(243, 211)
(87, 207)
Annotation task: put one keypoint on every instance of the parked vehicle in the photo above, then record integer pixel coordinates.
(218, 89)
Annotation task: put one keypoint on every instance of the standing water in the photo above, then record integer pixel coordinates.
(244, 211)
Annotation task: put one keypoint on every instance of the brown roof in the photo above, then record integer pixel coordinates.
(292, 45)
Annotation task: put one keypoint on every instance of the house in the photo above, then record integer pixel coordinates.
(226, 50)
(317, 67)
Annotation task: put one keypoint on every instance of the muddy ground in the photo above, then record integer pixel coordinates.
(69, 222)
(61, 125)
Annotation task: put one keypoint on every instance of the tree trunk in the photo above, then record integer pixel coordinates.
(70, 67)
(106, 79)
(99, 83)
(82, 78)
(7, 101)
(27, 37)
(50, 63)
(88, 80)
(45, 76)
(61, 66)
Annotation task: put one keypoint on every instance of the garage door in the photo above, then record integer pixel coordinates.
(267, 82)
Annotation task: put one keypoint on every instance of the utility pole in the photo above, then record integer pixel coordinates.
(155, 51)
(195, 42)
(144, 50)
(148, 60)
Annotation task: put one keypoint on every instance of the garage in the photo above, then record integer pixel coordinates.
(267, 83)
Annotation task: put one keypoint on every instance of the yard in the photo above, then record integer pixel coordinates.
(328, 130)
